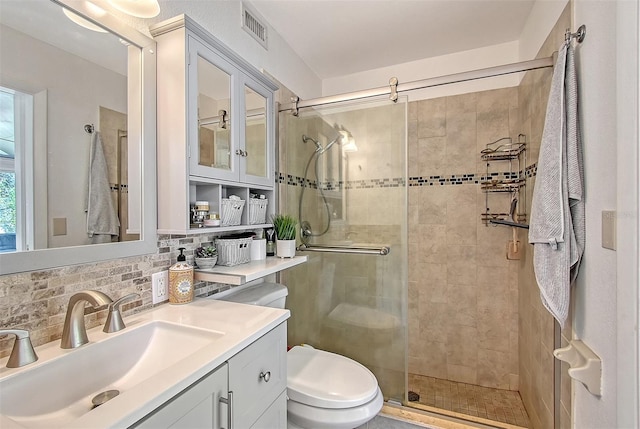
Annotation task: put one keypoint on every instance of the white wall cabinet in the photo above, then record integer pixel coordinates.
(216, 126)
(256, 381)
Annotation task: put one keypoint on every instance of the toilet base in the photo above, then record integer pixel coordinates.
(301, 416)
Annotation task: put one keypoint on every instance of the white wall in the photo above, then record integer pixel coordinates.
(223, 19)
(543, 17)
(608, 138)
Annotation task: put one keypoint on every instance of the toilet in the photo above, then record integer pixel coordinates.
(324, 390)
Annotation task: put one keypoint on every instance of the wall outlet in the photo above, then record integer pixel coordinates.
(160, 286)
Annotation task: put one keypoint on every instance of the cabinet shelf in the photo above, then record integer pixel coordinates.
(243, 273)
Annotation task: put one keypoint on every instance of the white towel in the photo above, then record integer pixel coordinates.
(557, 228)
(102, 219)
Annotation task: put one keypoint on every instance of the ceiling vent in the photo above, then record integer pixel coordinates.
(254, 25)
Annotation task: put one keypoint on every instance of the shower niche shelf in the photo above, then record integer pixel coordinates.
(504, 183)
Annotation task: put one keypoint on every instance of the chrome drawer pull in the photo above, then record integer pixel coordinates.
(229, 403)
(266, 376)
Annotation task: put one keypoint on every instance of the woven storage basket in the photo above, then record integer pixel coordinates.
(231, 212)
(233, 251)
(257, 211)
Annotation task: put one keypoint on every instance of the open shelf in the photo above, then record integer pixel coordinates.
(243, 273)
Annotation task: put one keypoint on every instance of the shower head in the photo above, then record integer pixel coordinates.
(344, 139)
(306, 139)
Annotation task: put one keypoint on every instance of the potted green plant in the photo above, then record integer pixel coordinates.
(285, 227)
(206, 257)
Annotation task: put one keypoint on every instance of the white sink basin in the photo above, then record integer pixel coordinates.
(58, 391)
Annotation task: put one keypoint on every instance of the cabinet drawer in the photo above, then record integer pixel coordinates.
(258, 375)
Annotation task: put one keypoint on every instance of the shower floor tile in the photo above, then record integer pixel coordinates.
(498, 405)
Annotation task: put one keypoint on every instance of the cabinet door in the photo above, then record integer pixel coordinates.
(199, 406)
(212, 114)
(257, 135)
(257, 376)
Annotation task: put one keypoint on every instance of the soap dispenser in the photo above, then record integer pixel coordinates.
(181, 281)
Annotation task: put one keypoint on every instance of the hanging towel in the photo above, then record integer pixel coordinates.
(557, 227)
(102, 219)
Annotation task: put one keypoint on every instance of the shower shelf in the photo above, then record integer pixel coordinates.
(505, 151)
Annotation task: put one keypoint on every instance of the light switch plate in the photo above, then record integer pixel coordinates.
(609, 229)
(59, 226)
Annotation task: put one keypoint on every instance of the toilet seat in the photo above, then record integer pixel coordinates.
(305, 416)
(327, 380)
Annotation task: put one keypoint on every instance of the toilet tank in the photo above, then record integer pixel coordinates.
(265, 294)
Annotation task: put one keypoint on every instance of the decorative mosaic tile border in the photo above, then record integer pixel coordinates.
(454, 179)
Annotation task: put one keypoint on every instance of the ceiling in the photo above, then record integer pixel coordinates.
(341, 37)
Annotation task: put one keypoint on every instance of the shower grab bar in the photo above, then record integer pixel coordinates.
(364, 250)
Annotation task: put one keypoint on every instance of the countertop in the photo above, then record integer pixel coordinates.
(241, 324)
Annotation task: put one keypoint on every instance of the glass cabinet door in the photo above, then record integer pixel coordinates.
(211, 99)
(257, 159)
(255, 133)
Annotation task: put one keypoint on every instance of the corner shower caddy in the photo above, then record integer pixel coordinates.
(512, 181)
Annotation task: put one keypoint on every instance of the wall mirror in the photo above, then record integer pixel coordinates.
(70, 72)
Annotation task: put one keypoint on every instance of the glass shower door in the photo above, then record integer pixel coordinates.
(345, 170)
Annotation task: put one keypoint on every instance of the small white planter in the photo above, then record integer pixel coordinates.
(285, 248)
(206, 263)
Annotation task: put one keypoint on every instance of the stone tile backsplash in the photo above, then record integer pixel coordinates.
(37, 300)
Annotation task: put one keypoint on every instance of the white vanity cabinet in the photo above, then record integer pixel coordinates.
(216, 126)
(252, 384)
(202, 405)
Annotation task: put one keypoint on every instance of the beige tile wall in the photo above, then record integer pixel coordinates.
(463, 291)
(536, 325)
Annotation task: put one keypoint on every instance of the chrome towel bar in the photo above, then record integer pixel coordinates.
(365, 250)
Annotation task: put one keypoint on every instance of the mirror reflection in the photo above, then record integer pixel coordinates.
(255, 133)
(214, 116)
(64, 151)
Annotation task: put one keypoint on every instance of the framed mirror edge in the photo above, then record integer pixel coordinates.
(42, 259)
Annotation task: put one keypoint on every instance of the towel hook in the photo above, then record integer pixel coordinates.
(88, 128)
(579, 35)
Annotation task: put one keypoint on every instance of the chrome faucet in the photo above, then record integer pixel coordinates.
(114, 321)
(74, 332)
(22, 353)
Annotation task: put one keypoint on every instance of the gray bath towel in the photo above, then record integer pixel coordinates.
(102, 219)
(557, 228)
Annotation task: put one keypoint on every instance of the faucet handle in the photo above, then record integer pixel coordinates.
(114, 321)
(22, 353)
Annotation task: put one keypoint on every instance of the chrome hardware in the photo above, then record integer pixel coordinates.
(294, 108)
(229, 404)
(74, 332)
(241, 152)
(22, 353)
(114, 321)
(364, 250)
(266, 376)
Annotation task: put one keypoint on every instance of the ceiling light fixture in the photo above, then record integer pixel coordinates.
(83, 22)
(137, 8)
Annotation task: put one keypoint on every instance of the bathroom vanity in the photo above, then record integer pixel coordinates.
(174, 366)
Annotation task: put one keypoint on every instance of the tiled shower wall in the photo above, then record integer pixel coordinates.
(463, 292)
(536, 325)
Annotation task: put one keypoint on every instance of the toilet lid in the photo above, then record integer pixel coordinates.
(322, 379)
